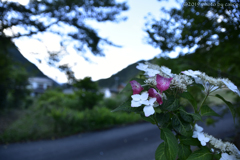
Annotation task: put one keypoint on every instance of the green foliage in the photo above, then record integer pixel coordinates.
(180, 126)
(80, 100)
(126, 106)
(202, 153)
(200, 26)
(86, 84)
(170, 144)
(171, 104)
(230, 106)
(58, 14)
(176, 123)
(189, 141)
(160, 152)
(184, 151)
(190, 98)
(87, 93)
(32, 125)
(69, 121)
(125, 75)
(55, 114)
(110, 103)
(207, 111)
(163, 119)
(62, 121)
(88, 99)
(13, 79)
(196, 116)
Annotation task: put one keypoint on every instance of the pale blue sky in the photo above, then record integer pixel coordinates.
(129, 34)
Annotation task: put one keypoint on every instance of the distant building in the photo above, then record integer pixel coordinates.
(112, 92)
(38, 85)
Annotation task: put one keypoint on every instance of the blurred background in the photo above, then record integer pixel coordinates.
(64, 62)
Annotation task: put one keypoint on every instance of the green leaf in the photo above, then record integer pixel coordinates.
(126, 106)
(170, 104)
(189, 141)
(148, 119)
(230, 106)
(159, 154)
(207, 111)
(186, 117)
(200, 86)
(158, 110)
(217, 156)
(183, 151)
(162, 118)
(201, 154)
(180, 126)
(171, 144)
(190, 98)
(196, 116)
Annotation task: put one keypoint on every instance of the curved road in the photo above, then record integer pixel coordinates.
(133, 142)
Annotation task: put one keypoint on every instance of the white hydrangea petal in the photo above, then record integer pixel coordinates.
(136, 97)
(167, 71)
(148, 110)
(231, 86)
(152, 72)
(135, 103)
(225, 156)
(146, 102)
(144, 96)
(192, 73)
(202, 138)
(198, 128)
(195, 134)
(198, 80)
(203, 143)
(152, 100)
(142, 67)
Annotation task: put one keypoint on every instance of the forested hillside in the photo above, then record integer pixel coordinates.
(122, 76)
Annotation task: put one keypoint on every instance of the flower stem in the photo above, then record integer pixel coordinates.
(156, 122)
(203, 101)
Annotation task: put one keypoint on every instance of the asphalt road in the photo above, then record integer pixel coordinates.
(133, 142)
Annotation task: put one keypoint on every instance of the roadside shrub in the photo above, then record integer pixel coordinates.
(110, 103)
(88, 99)
(38, 123)
(31, 126)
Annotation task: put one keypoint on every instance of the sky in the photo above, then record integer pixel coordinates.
(129, 34)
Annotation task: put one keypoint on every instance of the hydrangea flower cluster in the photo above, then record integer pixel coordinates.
(211, 84)
(149, 98)
(200, 135)
(177, 81)
(159, 97)
(229, 150)
(163, 79)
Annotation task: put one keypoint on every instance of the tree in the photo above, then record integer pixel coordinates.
(62, 17)
(213, 28)
(13, 78)
(65, 18)
(87, 92)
